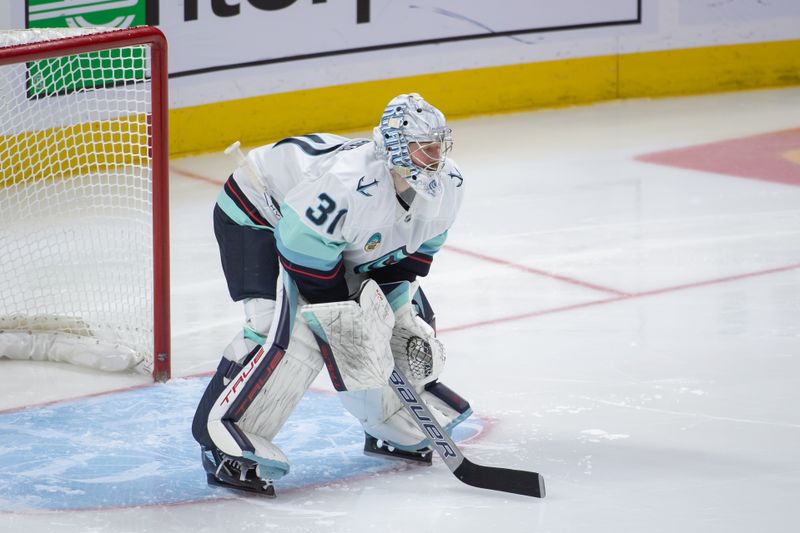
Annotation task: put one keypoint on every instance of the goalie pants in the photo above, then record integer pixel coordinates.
(249, 257)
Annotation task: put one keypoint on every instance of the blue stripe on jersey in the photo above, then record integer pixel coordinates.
(303, 246)
(238, 196)
(431, 246)
(307, 148)
(315, 138)
(236, 214)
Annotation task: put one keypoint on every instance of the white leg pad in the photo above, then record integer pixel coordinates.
(276, 401)
(384, 416)
(268, 411)
(271, 408)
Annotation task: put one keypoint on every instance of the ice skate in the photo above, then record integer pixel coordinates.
(235, 473)
(379, 448)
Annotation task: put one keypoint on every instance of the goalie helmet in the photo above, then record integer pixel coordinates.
(414, 140)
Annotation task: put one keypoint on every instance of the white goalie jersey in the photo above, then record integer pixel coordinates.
(338, 207)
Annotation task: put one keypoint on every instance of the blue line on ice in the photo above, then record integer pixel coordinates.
(135, 448)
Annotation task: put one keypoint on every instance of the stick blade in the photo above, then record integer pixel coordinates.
(501, 479)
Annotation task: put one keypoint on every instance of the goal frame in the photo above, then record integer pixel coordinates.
(159, 152)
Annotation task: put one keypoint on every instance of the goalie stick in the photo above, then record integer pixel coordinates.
(235, 152)
(484, 477)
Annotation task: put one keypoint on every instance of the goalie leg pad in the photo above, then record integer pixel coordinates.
(249, 434)
(259, 314)
(226, 370)
(383, 415)
(245, 405)
(270, 409)
(353, 337)
(227, 439)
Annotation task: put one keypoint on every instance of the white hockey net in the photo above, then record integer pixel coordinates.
(76, 205)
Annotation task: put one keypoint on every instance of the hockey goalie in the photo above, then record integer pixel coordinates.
(323, 239)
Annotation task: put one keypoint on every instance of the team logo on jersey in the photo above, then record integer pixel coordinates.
(384, 261)
(362, 187)
(455, 174)
(373, 243)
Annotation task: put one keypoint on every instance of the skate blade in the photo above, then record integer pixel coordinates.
(372, 449)
(268, 491)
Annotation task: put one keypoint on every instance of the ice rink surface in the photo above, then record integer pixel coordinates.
(620, 302)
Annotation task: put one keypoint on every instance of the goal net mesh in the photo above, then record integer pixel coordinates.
(76, 188)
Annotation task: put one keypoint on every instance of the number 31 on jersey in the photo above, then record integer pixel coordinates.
(319, 215)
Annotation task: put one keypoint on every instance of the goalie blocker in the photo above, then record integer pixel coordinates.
(359, 342)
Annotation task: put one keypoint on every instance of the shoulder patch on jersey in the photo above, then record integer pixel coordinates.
(373, 243)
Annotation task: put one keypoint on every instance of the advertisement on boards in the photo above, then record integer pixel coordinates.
(53, 76)
(217, 35)
(214, 35)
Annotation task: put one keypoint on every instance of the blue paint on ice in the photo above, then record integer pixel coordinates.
(135, 448)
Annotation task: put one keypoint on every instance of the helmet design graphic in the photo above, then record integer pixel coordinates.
(414, 139)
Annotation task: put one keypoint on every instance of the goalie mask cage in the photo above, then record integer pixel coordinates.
(84, 248)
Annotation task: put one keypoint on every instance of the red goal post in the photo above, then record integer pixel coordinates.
(91, 164)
